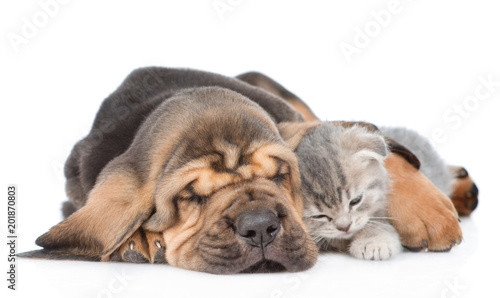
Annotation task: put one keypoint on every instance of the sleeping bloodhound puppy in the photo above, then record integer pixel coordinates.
(186, 168)
(425, 217)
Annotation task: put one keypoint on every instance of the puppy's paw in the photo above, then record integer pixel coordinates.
(465, 192)
(141, 247)
(375, 248)
(424, 217)
(427, 223)
(157, 247)
(133, 250)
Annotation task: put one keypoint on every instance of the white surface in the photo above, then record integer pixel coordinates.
(426, 60)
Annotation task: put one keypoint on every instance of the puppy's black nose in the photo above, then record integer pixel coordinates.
(258, 227)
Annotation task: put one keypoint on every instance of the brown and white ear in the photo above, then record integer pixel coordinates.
(293, 132)
(116, 208)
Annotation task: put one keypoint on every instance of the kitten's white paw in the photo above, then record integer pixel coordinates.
(375, 248)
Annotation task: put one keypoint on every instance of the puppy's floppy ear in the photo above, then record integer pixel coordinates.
(166, 193)
(116, 208)
(404, 152)
(166, 205)
(293, 132)
(53, 254)
(264, 82)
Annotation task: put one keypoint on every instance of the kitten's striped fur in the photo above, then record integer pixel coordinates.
(345, 189)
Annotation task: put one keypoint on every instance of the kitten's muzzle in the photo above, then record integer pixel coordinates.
(343, 227)
(258, 227)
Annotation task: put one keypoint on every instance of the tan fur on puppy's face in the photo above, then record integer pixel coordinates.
(201, 240)
(202, 234)
(423, 216)
(204, 162)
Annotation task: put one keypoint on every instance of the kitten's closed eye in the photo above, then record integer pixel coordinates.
(356, 200)
(321, 216)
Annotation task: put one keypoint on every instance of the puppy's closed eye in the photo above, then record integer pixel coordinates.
(188, 194)
(279, 178)
(198, 199)
(283, 173)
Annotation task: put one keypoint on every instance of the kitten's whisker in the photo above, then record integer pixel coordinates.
(379, 222)
(378, 225)
(381, 217)
(318, 239)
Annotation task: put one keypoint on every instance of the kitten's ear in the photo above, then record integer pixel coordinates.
(377, 145)
(367, 145)
(293, 132)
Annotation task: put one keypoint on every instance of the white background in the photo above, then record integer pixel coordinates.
(425, 61)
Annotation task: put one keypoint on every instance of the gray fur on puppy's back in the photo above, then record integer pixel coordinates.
(432, 165)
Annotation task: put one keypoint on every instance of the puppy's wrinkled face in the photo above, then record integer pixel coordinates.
(209, 173)
(237, 210)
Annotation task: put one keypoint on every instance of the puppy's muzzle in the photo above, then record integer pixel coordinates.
(258, 227)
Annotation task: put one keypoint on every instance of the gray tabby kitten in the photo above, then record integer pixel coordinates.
(345, 191)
